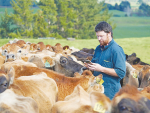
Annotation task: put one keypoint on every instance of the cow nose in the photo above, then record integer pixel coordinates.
(84, 68)
(5, 51)
(7, 56)
(13, 56)
(10, 56)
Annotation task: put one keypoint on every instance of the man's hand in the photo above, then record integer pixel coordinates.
(95, 67)
(98, 67)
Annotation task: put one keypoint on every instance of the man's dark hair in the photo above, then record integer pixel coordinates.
(104, 26)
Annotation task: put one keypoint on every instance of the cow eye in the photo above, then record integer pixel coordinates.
(63, 61)
(19, 51)
(5, 85)
(38, 48)
(122, 108)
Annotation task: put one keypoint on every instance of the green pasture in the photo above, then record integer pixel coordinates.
(140, 46)
(131, 27)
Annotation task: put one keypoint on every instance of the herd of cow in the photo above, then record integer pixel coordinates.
(38, 78)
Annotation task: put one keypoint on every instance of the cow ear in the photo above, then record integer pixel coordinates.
(69, 57)
(136, 61)
(11, 75)
(100, 102)
(134, 54)
(100, 76)
(77, 75)
(126, 56)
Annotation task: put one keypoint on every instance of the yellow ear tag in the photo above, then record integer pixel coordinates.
(66, 49)
(31, 49)
(135, 75)
(99, 107)
(97, 79)
(101, 82)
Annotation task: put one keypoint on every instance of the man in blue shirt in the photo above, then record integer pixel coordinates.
(108, 60)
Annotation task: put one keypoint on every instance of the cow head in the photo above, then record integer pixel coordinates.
(12, 52)
(132, 59)
(21, 43)
(146, 92)
(96, 84)
(6, 79)
(44, 61)
(82, 54)
(49, 47)
(144, 77)
(14, 103)
(91, 51)
(131, 76)
(130, 100)
(33, 47)
(100, 102)
(57, 48)
(66, 65)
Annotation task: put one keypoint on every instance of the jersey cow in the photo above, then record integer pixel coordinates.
(130, 100)
(65, 84)
(78, 101)
(42, 89)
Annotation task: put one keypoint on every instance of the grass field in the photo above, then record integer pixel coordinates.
(140, 46)
(131, 27)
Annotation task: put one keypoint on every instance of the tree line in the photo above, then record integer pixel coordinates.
(54, 18)
(143, 10)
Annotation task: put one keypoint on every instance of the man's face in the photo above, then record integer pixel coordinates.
(103, 37)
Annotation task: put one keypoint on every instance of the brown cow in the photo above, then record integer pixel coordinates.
(66, 65)
(21, 43)
(42, 60)
(7, 66)
(13, 103)
(130, 100)
(49, 47)
(2, 60)
(12, 52)
(146, 92)
(78, 102)
(144, 76)
(91, 51)
(65, 84)
(57, 48)
(38, 86)
(134, 60)
(131, 76)
(81, 55)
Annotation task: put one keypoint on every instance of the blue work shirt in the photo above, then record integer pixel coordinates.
(110, 56)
